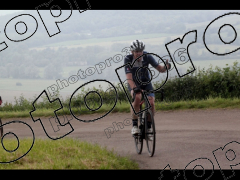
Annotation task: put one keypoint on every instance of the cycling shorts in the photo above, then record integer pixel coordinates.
(144, 87)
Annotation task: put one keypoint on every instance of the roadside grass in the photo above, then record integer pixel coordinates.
(210, 103)
(67, 153)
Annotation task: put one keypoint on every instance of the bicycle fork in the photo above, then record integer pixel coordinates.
(142, 125)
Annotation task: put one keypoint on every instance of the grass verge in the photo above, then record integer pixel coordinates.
(210, 103)
(65, 153)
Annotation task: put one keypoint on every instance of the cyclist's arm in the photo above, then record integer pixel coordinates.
(128, 72)
(161, 68)
(130, 80)
(154, 64)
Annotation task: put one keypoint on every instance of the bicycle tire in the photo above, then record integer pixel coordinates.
(1, 128)
(150, 144)
(138, 139)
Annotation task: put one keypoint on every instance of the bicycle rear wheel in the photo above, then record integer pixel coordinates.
(150, 142)
(138, 138)
(1, 128)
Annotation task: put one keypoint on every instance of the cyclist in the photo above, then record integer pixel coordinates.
(134, 86)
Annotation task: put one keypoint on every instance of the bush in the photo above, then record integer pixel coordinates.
(224, 83)
(210, 83)
(18, 84)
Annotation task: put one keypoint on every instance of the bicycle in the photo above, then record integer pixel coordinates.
(1, 128)
(143, 134)
(142, 120)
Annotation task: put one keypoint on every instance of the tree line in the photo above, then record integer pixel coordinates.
(20, 62)
(102, 24)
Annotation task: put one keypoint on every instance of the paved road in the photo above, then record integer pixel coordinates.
(182, 136)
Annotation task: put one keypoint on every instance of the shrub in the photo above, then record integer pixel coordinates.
(214, 83)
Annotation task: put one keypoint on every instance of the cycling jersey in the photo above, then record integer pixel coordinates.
(143, 73)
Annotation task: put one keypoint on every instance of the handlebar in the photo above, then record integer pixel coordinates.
(134, 95)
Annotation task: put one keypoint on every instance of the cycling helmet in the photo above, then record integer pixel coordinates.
(137, 45)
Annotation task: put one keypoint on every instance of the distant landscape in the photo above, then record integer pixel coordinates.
(89, 38)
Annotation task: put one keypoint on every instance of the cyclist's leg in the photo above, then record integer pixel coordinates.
(151, 99)
(136, 106)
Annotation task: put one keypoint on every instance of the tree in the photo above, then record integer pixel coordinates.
(52, 72)
(32, 72)
(3, 72)
(9, 67)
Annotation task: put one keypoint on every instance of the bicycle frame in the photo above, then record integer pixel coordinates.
(143, 118)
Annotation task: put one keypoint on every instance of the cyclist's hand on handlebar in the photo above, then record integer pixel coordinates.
(136, 90)
(168, 64)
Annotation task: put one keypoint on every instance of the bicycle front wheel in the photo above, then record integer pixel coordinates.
(138, 143)
(150, 137)
(1, 128)
(138, 138)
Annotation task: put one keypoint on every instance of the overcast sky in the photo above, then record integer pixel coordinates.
(4, 12)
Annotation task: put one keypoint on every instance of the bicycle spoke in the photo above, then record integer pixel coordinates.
(138, 143)
(138, 139)
(150, 142)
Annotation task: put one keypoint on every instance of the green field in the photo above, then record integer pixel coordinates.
(151, 39)
(235, 21)
(64, 153)
(124, 107)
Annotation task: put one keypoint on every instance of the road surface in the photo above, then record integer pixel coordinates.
(181, 137)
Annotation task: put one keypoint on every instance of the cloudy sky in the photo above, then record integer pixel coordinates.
(4, 12)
